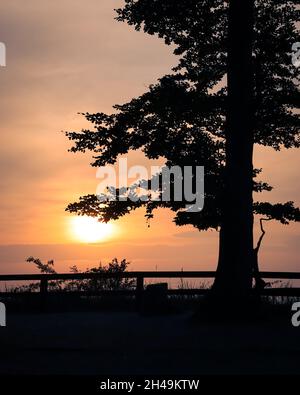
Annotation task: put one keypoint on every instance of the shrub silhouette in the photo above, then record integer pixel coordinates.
(87, 285)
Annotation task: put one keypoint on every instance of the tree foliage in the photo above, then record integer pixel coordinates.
(182, 117)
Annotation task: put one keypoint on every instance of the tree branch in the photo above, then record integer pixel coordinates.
(263, 232)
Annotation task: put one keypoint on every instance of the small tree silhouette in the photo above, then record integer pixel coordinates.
(102, 284)
(88, 285)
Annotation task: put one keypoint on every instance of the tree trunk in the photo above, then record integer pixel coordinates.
(234, 272)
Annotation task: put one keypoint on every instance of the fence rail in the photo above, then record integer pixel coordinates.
(135, 274)
(140, 282)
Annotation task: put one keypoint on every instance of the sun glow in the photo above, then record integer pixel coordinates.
(89, 230)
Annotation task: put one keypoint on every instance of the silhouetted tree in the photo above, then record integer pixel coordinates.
(234, 86)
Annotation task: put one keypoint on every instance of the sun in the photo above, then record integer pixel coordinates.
(89, 230)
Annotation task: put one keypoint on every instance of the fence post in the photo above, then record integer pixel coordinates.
(43, 292)
(139, 292)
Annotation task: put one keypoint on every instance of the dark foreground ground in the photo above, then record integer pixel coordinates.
(127, 343)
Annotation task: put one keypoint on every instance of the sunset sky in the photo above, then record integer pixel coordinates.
(70, 56)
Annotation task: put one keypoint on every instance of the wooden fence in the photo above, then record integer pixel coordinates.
(140, 282)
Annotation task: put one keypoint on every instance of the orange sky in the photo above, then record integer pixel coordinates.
(69, 56)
